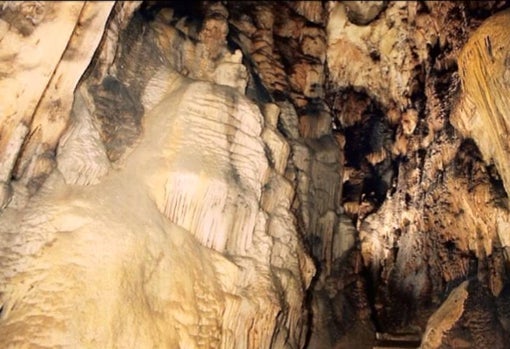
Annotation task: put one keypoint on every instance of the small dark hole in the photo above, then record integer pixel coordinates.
(376, 57)
(408, 198)
(450, 245)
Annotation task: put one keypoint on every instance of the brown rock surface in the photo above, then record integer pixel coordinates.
(254, 174)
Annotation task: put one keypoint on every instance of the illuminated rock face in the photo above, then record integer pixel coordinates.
(116, 262)
(165, 242)
(482, 112)
(175, 175)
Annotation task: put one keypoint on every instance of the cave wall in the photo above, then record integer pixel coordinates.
(253, 174)
(441, 216)
(150, 227)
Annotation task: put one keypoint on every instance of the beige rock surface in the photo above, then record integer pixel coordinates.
(116, 251)
(445, 317)
(43, 78)
(483, 109)
(175, 174)
(173, 244)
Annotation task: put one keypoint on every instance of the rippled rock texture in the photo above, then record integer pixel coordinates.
(254, 174)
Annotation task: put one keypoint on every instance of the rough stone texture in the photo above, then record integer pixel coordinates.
(363, 12)
(180, 165)
(483, 109)
(471, 309)
(42, 65)
(175, 246)
(429, 211)
(445, 317)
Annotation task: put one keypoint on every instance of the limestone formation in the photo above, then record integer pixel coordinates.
(127, 245)
(254, 174)
(483, 69)
(363, 12)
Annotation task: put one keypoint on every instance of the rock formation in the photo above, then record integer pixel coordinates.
(254, 174)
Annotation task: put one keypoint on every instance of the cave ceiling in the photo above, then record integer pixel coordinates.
(293, 174)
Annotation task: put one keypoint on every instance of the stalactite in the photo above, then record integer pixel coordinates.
(254, 174)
